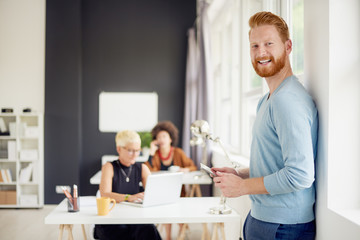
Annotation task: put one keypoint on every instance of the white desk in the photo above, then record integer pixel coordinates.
(195, 177)
(189, 210)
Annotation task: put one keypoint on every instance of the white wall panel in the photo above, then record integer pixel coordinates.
(331, 57)
(22, 58)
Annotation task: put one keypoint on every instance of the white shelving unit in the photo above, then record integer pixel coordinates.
(22, 153)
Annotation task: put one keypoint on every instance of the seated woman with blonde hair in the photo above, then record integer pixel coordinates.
(122, 180)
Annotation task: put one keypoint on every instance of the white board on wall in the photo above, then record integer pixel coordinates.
(127, 111)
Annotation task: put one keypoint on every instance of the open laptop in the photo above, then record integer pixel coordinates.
(162, 188)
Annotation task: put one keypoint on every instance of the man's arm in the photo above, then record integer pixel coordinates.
(293, 120)
(235, 186)
(243, 172)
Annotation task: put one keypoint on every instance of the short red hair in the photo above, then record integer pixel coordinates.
(268, 18)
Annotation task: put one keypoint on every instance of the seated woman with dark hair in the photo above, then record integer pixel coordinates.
(121, 180)
(163, 150)
(164, 154)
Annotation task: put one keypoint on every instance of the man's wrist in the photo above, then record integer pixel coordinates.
(242, 172)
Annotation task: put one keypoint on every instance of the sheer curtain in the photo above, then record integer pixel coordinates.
(190, 92)
(198, 80)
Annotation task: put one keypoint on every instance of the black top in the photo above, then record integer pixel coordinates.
(126, 231)
(162, 166)
(119, 184)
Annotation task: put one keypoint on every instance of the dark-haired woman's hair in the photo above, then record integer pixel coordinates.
(168, 127)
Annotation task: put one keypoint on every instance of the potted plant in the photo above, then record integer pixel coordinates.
(146, 139)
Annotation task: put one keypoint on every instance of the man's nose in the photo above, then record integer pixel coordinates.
(262, 51)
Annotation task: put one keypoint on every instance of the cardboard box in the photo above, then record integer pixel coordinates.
(11, 197)
(2, 197)
(8, 197)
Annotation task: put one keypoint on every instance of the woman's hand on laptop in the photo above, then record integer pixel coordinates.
(136, 197)
(185, 170)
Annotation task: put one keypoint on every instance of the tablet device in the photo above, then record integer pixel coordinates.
(207, 169)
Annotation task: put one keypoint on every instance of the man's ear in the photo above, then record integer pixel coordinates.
(288, 46)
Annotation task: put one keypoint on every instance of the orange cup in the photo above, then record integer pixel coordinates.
(103, 205)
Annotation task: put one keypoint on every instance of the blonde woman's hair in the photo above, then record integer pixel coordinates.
(127, 136)
(268, 18)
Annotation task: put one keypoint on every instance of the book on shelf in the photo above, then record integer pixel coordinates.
(3, 128)
(25, 173)
(9, 175)
(5, 175)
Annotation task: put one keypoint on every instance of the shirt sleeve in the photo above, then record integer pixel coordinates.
(292, 120)
(185, 161)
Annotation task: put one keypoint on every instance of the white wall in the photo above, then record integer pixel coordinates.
(332, 55)
(22, 54)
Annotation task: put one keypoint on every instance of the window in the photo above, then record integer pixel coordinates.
(297, 36)
(237, 88)
(226, 65)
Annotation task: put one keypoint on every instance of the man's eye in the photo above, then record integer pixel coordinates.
(254, 46)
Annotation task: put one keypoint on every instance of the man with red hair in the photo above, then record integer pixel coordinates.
(280, 179)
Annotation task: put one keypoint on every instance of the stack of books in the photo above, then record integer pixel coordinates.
(5, 176)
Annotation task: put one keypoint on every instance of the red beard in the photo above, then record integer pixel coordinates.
(269, 71)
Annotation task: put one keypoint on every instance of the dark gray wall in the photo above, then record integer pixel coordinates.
(62, 96)
(115, 46)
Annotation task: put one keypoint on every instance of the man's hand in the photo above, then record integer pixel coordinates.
(232, 185)
(224, 170)
(229, 183)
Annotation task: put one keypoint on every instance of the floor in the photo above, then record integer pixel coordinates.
(29, 224)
